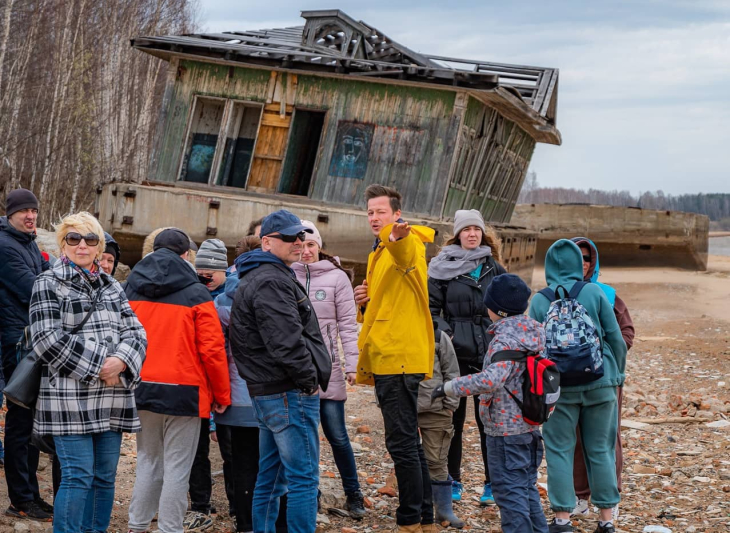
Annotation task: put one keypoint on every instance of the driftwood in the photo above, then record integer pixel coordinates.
(673, 420)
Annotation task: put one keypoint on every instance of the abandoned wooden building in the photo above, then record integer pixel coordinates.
(307, 117)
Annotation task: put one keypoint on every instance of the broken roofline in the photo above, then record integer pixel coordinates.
(333, 44)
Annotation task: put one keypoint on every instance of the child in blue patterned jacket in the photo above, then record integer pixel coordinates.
(514, 447)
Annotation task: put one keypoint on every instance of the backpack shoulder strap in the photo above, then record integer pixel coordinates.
(575, 290)
(509, 355)
(548, 293)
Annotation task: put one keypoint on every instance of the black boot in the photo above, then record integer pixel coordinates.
(356, 505)
(443, 504)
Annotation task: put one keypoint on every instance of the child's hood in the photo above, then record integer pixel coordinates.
(519, 332)
(563, 263)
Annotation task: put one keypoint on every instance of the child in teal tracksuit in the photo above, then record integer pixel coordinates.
(591, 406)
(514, 447)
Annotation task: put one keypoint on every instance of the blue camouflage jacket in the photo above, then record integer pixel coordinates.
(499, 412)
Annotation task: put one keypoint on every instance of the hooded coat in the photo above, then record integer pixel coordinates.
(564, 266)
(186, 369)
(397, 335)
(330, 291)
(274, 334)
(20, 263)
(619, 307)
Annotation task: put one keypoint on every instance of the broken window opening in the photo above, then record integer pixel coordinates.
(202, 140)
(302, 151)
(240, 138)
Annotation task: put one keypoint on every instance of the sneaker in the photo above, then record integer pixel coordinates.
(608, 528)
(456, 490)
(195, 521)
(356, 505)
(560, 528)
(487, 497)
(581, 508)
(29, 510)
(47, 507)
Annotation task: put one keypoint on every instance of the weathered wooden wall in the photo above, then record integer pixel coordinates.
(490, 164)
(411, 137)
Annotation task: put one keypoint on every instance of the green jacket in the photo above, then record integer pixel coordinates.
(564, 266)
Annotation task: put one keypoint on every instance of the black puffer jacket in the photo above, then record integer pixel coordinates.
(457, 307)
(274, 335)
(20, 263)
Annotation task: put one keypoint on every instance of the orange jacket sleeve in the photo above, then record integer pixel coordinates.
(212, 351)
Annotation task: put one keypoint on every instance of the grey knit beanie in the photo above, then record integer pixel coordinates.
(467, 217)
(212, 255)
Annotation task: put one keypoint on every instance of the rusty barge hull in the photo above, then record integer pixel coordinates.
(132, 211)
(625, 236)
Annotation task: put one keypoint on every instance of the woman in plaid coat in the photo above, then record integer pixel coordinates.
(86, 399)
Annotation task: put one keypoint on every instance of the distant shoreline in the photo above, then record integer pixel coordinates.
(719, 234)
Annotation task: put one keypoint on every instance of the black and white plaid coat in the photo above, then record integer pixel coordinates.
(73, 400)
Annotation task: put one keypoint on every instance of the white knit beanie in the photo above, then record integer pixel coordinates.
(467, 217)
(314, 236)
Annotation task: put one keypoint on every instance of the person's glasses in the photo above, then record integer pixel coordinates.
(74, 239)
(586, 258)
(289, 238)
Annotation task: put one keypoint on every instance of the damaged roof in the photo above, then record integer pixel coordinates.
(331, 42)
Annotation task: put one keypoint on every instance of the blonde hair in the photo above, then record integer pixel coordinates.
(84, 223)
(489, 238)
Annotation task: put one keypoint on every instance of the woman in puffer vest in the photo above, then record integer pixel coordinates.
(330, 290)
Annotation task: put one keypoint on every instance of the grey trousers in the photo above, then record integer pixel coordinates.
(165, 453)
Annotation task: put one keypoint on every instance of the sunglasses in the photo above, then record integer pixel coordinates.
(74, 239)
(586, 258)
(290, 238)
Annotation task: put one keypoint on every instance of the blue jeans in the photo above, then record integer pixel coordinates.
(332, 413)
(88, 470)
(288, 461)
(513, 463)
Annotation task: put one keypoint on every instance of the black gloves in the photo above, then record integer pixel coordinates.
(438, 392)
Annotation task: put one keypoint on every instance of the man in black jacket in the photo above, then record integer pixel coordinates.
(20, 263)
(278, 349)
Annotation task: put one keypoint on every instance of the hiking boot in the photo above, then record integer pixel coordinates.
(608, 528)
(29, 510)
(195, 521)
(429, 528)
(355, 505)
(487, 498)
(456, 490)
(581, 508)
(560, 528)
(47, 507)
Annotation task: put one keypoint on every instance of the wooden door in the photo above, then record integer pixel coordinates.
(270, 147)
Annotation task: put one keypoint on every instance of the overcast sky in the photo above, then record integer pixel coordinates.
(644, 90)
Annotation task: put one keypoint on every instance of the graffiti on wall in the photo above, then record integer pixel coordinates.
(352, 149)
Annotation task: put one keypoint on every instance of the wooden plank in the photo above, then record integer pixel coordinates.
(274, 108)
(270, 157)
(276, 121)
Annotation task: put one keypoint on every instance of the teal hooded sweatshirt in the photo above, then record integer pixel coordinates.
(564, 266)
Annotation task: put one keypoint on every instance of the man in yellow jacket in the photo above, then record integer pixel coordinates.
(397, 346)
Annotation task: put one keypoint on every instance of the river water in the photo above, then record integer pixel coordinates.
(720, 246)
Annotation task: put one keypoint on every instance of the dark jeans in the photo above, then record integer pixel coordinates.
(398, 398)
(224, 443)
(456, 441)
(244, 469)
(201, 482)
(21, 457)
(332, 416)
(513, 462)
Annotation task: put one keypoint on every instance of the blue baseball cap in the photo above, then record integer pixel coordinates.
(284, 222)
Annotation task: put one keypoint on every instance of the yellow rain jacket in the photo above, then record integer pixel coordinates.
(397, 332)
